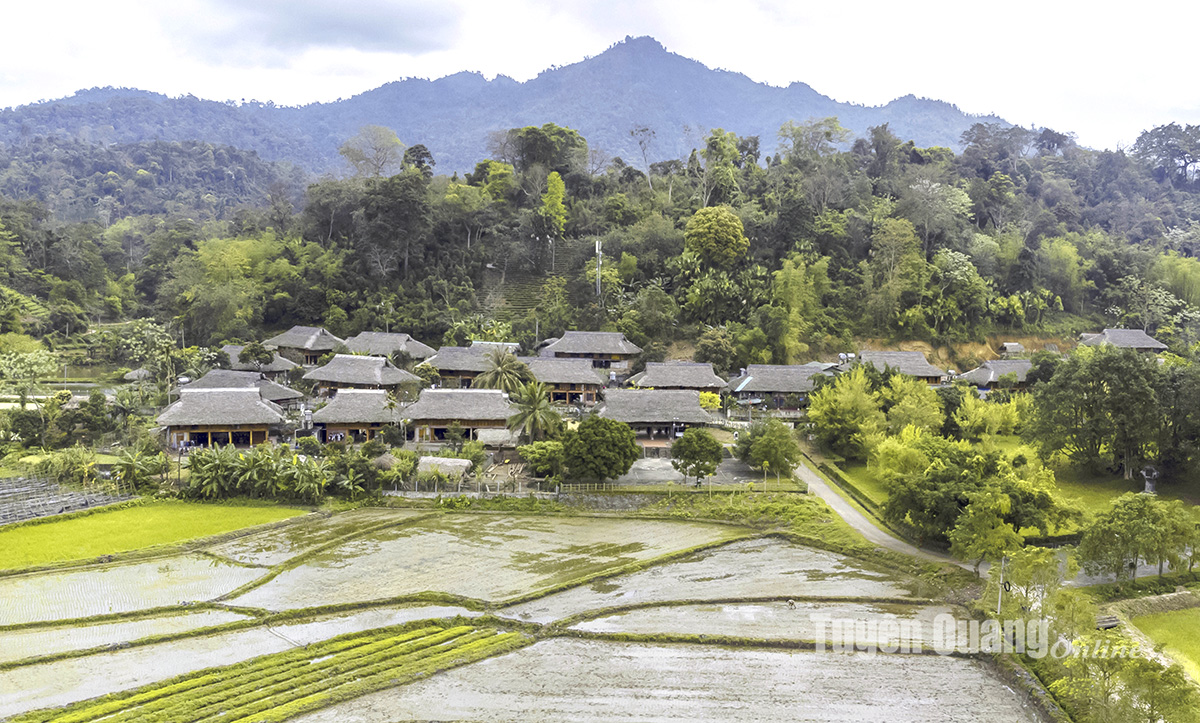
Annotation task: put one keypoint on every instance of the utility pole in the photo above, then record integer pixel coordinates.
(598, 257)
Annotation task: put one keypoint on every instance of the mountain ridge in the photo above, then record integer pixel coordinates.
(635, 82)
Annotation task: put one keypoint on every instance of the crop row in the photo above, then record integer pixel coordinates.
(116, 702)
(245, 686)
(287, 683)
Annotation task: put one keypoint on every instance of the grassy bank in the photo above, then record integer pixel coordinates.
(131, 528)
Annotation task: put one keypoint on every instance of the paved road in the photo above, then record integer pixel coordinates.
(864, 526)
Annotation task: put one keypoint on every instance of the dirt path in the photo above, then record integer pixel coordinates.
(864, 526)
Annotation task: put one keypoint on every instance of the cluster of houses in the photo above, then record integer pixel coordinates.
(358, 394)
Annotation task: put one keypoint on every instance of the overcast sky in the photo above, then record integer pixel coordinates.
(1102, 74)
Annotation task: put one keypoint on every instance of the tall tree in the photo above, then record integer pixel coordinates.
(600, 449)
(505, 372)
(696, 454)
(373, 151)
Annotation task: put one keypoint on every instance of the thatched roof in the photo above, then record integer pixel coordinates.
(909, 363)
(463, 404)
(654, 406)
(592, 342)
(311, 338)
(563, 371)
(378, 343)
(358, 406)
(1124, 339)
(990, 372)
(778, 378)
(223, 407)
(686, 375)
(362, 370)
(460, 359)
(449, 466)
(277, 365)
(231, 379)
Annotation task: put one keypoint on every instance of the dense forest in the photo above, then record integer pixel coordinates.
(760, 250)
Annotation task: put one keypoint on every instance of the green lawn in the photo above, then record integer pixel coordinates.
(1179, 632)
(867, 483)
(121, 530)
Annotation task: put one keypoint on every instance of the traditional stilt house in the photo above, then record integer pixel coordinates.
(988, 374)
(378, 343)
(655, 413)
(572, 382)
(206, 417)
(305, 344)
(277, 366)
(356, 415)
(348, 371)
(698, 376)
(608, 350)
(909, 363)
(481, 413)
(285, 397)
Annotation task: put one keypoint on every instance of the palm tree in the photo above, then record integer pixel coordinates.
(505, 372)
(536, 416)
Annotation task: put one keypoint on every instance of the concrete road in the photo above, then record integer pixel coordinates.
(856, 519)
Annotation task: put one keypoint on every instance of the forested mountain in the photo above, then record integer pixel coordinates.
(635, 83)
(80, 181)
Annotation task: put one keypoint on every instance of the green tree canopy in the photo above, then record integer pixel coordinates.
(716, 235)
(600, 449)
(696, 454)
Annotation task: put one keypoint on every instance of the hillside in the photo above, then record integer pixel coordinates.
(635, 82)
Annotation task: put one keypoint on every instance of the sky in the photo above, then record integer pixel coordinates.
(1104, 74)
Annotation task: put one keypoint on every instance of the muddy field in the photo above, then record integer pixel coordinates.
(562, 680)
(74, 679)
(277, 546)
(761, 568)
(485, 557)
(776, 621)
(20, 644)
(101, 590)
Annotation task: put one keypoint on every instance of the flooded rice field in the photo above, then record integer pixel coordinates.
(279, 545)
(34, 642)
(569, 680)
(74, 679)
(487, 557)
(760, 568)
(805, 621)
(101, 590)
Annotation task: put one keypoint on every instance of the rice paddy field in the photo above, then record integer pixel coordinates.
(761, 568)
(131, 528)
(398, 615)
(487, 557)
(599, 681)
(112, 589)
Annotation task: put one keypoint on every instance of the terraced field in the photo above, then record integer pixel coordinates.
(394, 644)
